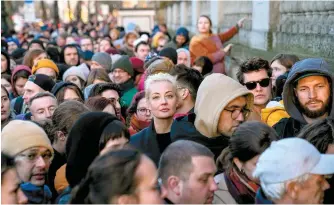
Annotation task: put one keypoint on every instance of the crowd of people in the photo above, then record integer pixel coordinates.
(97, 113)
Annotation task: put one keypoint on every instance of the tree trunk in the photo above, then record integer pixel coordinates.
(56, 12)
(44, 14)
(6, 13)
(78, 11)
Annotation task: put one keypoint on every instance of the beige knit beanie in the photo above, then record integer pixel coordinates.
(19, 135)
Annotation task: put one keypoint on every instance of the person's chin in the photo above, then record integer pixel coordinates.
(39, 182)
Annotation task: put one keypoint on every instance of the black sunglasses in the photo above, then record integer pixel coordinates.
(263, 83)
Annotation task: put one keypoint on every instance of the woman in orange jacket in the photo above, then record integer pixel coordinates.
(211, 45)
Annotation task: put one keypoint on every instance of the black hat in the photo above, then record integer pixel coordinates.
(38, 42)
(43, 81)
(83, 144)
(63, 84)
(169, 53)
(18, 53)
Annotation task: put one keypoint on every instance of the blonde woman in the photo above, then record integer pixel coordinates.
(161, 96)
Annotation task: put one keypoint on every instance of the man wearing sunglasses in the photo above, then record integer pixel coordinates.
(255, 74)
(307, 96)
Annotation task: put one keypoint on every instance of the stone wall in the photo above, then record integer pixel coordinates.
(304, 28)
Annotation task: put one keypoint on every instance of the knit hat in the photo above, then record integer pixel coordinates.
(137, 64)
(28, 135)
(103, 59)
(112, 51)
(159, 66)
(169, 53)
(18, 53)
(43, 81)
(115, 58)
(83, 144)
(143, 38)
(182, 31)
(74, 70)
(17, 69)
(38, 42)
(87, 55)
(45, 63)
(15, 40)
(61, 85)
(124, 64)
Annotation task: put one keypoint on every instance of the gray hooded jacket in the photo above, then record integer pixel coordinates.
(301, 69)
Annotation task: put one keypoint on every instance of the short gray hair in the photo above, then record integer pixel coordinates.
(276, 191)
(41, 95)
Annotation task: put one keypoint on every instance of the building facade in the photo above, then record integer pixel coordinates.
(304, 28)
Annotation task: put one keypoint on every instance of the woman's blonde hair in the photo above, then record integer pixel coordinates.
(160, 77)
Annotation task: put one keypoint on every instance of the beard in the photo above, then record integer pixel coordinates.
(315, 113)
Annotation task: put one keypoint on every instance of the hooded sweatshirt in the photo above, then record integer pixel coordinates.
(290, 127)
(214, 93)
(62, 53)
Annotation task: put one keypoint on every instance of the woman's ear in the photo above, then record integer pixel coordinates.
(60, 136)
(238, 163)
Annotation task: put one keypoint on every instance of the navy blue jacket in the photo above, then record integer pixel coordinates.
(146, 142)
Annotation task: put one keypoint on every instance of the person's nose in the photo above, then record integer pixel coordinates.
(325, 185)
(213, 185)
(312, 94)
(48, 114)
(258, 87)
(40, 163)
(240, 117)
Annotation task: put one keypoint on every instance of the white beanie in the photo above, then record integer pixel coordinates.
(74, 70)
(19, 135)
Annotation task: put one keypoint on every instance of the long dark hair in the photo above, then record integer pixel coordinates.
(110, 175)
(133, 107)
(248, 140)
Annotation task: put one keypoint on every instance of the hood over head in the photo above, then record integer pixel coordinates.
(214, 93)
(62, 57)
(83, 144)
(301, 69)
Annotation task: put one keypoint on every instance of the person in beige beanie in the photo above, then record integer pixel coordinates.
(31, 149)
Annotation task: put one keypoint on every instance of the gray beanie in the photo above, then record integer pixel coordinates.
(103, 59)
(123, 63)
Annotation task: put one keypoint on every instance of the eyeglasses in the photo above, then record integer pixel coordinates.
(236, 112)
(33, 157)
(143, 111)
(252, 85)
